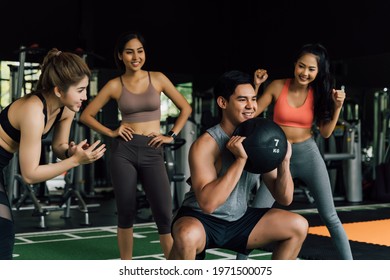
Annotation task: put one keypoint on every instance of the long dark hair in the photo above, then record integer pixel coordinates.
(120, 46)
(322, 84)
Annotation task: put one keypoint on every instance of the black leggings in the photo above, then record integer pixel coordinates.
(132, 161)
(7, 231)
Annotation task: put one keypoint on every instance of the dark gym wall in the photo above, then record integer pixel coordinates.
(204, 38)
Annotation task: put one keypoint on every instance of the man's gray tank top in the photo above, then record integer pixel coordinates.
(237, 203)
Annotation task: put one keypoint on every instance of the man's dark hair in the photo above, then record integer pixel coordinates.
(227, 83)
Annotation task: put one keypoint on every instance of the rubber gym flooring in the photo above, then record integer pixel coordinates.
(92, 236)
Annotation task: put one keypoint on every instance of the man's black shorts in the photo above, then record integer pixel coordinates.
(225, 234)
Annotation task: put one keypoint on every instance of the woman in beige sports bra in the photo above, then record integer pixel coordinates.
(137, 144)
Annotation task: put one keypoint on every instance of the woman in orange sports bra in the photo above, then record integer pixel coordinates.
(308, 98)
(137, 144)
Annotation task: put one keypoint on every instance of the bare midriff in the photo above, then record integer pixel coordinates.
(297, 134)
(144, 128)
(7, 143)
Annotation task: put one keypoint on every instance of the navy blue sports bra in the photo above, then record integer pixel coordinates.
(15, 133)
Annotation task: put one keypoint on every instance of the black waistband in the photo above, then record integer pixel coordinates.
(5, 157)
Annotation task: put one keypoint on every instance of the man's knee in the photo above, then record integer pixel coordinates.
(301, 226)
(188, 233)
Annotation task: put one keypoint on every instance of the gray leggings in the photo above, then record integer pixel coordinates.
(132, 161)
(308, 165)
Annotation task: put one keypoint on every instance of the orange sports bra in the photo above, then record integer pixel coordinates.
(140, 107)
(285, 115)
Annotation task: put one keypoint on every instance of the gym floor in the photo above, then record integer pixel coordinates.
(102, 213)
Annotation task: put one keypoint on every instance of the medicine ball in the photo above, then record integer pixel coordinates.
(265, 144)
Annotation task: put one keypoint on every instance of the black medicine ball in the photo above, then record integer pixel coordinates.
(265, 144)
